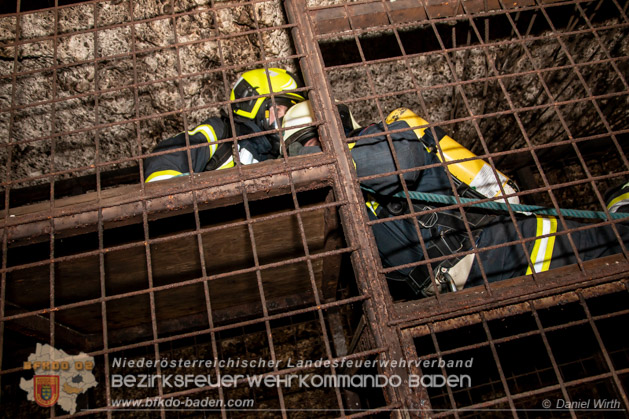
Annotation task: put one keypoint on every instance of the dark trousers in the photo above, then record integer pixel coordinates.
(398, 244)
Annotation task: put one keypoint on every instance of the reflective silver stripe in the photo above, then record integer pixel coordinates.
(461, 271)
(246, 157)
(543, 248)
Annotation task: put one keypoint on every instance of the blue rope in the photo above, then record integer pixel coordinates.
(501, 206)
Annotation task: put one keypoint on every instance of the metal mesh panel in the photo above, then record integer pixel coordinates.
(551, 354)
(276, 261)
(519, 88)
(244, 268)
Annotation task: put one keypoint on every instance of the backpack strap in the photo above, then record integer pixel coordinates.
(224, 151)
(449, 238)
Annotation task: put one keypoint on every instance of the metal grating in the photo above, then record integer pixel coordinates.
(276, 260)
(508, 114)
(557, 349)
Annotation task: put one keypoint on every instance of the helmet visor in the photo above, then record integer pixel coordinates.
(243, 90)
(273, 114)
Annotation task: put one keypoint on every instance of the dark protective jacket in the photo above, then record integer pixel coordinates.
(398, 243)
(214, 156)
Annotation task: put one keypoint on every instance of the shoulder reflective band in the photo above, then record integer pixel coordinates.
(161, 175)
(543, 248)
(209, 134)
(229, 163)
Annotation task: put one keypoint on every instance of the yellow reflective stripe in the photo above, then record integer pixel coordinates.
(351, 145)
(372, 204)
(617, 200)
(550, 246)
(209, 134)
(162, 174)
(254, 111)
(543, 249)
(229, 163)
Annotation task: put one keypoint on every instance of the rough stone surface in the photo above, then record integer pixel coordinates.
(168, 78)
(535, 121)
(96, 74)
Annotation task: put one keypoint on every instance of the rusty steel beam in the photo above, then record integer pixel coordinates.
(123, 206)
(511, 291)
(377, 13)
(503, 312)
(354, 219)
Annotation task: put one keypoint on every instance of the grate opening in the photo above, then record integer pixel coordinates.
(528, 354)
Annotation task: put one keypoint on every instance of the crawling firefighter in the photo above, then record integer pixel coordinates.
(250, 117)
(443, 232)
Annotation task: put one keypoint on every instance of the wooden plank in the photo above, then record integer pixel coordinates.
(513, 4)
(371, 14)
(172, 262)
(402, 11)
(331, 20)
(199, 320)
(39, 326)
(478, 6)
(440, 8)
(367, 15)
(72, 186)
(333, 240)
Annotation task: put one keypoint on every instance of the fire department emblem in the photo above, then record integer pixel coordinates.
(58, 378)
(46, 389)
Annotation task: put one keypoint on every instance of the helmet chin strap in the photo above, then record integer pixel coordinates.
(274, 138)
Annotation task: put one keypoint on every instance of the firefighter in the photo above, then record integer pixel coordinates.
(444, 233)
(250, 117)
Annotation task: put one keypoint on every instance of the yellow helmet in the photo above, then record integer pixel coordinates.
(255, 83)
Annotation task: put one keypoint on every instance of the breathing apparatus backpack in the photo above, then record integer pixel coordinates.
(473, 176)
